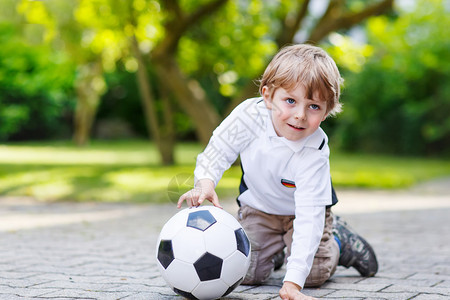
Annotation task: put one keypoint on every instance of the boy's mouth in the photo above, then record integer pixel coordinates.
(296, 127)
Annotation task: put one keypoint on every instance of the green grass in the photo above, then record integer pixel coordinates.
(130, 171)
(385, 172)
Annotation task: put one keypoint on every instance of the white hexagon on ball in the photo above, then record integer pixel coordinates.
(182, 275)
(210, 289)
(203, 253)
(235, 268)
(184, 237)
(220, 240)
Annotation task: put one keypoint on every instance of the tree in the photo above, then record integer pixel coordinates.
(339, 15)
(89, 86)
(64, 31)
(125, 22)
(173, 45)
(188, 91)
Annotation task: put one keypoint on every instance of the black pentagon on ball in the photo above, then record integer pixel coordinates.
(184, 294)
(200, 220)
(243, 244)
(165, 253)
(208, 267)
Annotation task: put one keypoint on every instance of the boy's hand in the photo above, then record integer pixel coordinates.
(291, 291)
(204, 189)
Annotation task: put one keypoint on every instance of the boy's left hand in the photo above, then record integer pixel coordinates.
(291, 291)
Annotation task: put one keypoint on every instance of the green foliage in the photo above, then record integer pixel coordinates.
(108, 26)
(35, 87)
(222, 60)
(400, 101)
(396, 94)
(232, 54)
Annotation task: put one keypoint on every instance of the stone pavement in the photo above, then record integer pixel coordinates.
(106, 251)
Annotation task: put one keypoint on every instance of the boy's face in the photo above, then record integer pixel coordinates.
(293, 115)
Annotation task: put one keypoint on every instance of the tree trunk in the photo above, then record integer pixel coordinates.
(167, 147)
(190, 96)
(165, 141)
(84, 116)
(89, 87)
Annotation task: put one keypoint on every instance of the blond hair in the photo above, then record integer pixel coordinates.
(309, 66)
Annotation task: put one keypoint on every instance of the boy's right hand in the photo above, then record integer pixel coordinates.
(204, 189)
(291, 291)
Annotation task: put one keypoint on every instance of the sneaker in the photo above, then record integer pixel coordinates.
(355, 251)
(278, 260)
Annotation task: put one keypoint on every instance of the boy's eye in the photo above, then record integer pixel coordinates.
(290, 101)
(315, 106)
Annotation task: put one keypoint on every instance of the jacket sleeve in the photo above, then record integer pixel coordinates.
(308, 229)
(312, 195)
(227, 141)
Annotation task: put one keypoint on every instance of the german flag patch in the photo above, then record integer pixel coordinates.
(288, 183)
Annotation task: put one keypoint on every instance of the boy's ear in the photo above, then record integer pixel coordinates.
(267, 97)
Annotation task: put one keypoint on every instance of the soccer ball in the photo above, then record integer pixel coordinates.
(203, 253)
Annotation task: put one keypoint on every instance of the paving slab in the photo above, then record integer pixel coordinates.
(107, 250)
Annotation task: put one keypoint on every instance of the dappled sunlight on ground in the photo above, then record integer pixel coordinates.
(21, 213)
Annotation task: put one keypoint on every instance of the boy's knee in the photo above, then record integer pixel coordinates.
(258, 272)
(316, 282)
(322, 269)
(257, 277)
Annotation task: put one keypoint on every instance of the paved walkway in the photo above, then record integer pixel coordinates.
(106, 251)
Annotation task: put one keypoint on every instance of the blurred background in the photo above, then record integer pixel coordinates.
(112, 100)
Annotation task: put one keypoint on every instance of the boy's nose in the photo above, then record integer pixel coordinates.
(300, 114)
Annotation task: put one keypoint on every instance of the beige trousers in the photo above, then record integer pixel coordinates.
(270, 234)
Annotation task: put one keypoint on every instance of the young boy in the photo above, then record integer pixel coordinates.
(285, 192)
